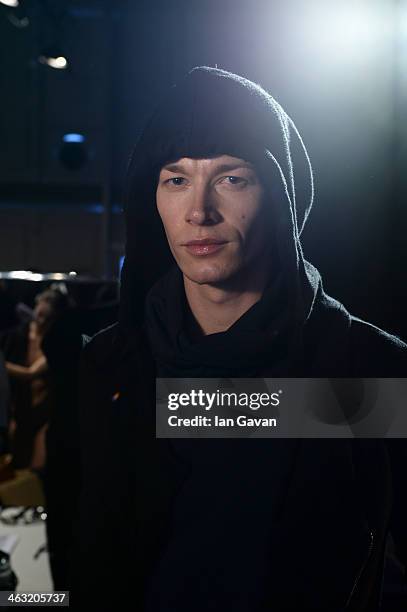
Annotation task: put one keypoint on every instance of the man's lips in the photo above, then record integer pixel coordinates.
(205, 241)
(205, 246)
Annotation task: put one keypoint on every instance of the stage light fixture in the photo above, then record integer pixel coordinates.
(54, 59)
(72, 152)
(73, 137)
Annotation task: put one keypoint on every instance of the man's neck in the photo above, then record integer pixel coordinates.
(216, 308)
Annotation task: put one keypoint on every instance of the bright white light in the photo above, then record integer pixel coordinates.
(26, 275)
(402, 21)
(59, 63)
(20, 274)
(348, 31)
(12, 3)
(72, 273)
(73, 138)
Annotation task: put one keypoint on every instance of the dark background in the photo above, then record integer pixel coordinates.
(338, 68)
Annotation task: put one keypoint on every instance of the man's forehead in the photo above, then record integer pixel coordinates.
(220, 162)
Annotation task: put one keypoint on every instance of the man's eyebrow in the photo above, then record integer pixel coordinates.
(218, 169)
(235, 166)
(174, 168)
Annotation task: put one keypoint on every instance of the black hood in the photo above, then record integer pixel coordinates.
(209, 113)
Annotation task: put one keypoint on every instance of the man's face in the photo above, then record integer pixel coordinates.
(214, 216)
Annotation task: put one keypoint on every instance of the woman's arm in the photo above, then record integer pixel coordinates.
(36, 369)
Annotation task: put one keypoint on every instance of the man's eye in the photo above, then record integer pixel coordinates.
(177, 181)
(236, 180)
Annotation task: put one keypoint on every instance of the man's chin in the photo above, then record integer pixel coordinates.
(215, 278)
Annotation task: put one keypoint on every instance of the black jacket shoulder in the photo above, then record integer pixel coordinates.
(98, 349)
(113, 355)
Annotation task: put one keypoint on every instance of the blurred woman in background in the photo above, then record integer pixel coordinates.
(31, 392)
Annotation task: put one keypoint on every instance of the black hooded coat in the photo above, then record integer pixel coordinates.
(237, 524)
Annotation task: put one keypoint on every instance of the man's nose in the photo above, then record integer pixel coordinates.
(202, 208)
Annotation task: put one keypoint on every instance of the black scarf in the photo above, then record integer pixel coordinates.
(268, 339)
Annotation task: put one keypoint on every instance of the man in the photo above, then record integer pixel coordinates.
(221, 179)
